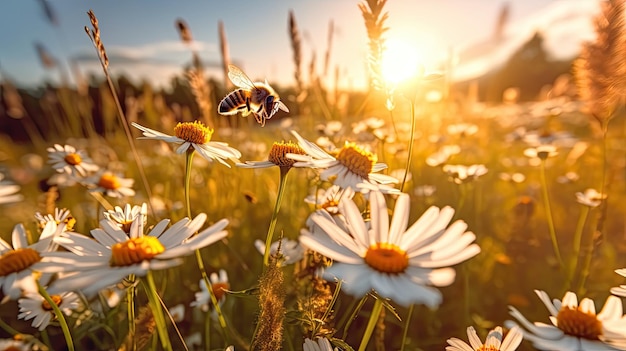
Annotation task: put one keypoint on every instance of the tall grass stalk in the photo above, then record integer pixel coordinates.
(573, 263)
(369, 329)
(94, 35)
(159, 318)
(411, 137)
(551, 228)
(130, 308)
(60, 317)
(200, 261)
(407, 322)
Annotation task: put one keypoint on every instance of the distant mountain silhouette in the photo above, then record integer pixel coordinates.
(527, 54)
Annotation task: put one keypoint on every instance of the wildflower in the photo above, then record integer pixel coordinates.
(351, 167)
(575, 327)
(35, 307)
(290, 250)
(541, 152)
(92, 265)
(14, 345)
(60, 216)
(277, 157)
(17, 261)
(125, 217)
(219, 283)
(110, 184)
(177, 312)
(492, 343)
(322, 344)
(621, 290)
(66, 159)
(395, 262)
(590, 198)
(462, 129)
(329, 129)
(442, 155)
(8, 191)
(197, 136)
(425, 190)
(328, 199)
(462, 174)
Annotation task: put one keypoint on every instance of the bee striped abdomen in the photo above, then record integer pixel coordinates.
(234, 102)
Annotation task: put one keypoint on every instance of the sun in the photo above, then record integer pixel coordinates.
(401, 60)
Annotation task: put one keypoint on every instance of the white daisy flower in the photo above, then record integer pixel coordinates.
(541, 152)
(461, 174)
(35, 307)
(60, 216)
(93, 265)
(351, 167)
(66, 159)
(197, 136)
(219, 283)
(125, 217)
(9, 191)
(576, 327)
(277, 157)
(177, 312)
(17, 261)
(290, 250)
(322, 344)
(110, 184)
(621, 290)
(591, 198)
(462, 129)
(328, 199)
(397, 263)
(492, 343)
(14, 345)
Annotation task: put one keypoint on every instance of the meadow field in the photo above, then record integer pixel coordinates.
(137, 218)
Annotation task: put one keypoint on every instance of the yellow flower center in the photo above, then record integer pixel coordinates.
(357, 160)
(73, 159)
(194, 132)
(18, 260)
(109, 181)
(573, 321)
(279, 151)
(12, 348)
(330, 203)
(218, 290)
(387, 258)
(55, 298)
(135, 250)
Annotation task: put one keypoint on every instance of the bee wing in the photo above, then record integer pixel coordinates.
(239, 78)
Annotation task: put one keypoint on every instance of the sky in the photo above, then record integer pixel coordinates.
(143, 43)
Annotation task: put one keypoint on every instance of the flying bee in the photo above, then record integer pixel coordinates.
(256, 98)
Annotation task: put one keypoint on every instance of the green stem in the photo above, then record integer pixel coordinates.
(188, 164)
(157, 311)
(406, 326)
(7, 328)
(207, 330)
(279, 199)
(603, 208)
(205, 277)
(60, 317)
(130, 306)
(412, 135)
(573, 263)
(546, 200)
(378, 307)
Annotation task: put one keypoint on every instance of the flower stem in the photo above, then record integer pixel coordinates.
(279, 199)
(378, 307)
(573, 263)
(205, 277)
(60, 317)
(546, 200)
(188, 163)
(412, 135)
(155, 306)
(406, 326)
(130, 307)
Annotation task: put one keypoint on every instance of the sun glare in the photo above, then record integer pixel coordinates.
(401, 61)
